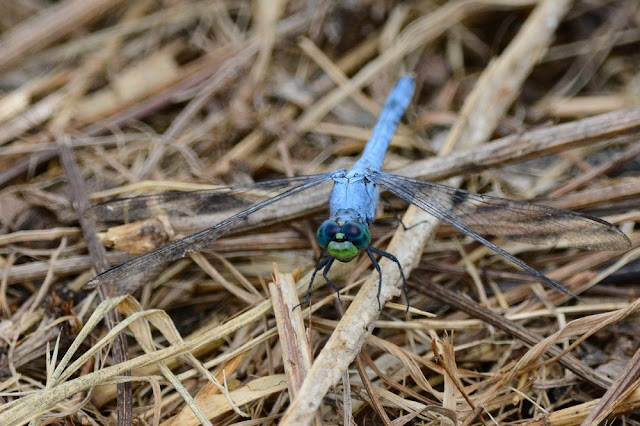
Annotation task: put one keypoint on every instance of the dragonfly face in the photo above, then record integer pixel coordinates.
(343, 237)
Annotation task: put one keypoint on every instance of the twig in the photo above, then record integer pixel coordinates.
(626, 383)
(99, 261)
(476, 310)
(47, 27)
(296, 352)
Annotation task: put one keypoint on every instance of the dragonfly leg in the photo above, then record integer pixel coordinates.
(395, 213)
(377, 266)
(397, 262)
(324, 262)
(324, 274)
(398, 218)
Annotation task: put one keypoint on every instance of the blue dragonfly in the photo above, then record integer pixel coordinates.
(352, 206)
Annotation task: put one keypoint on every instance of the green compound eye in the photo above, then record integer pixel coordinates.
(358, 233)
(343, 243)
(326, 232)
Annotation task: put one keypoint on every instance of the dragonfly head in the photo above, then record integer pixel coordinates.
(343, 239)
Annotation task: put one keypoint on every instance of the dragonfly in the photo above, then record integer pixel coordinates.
(352, 206)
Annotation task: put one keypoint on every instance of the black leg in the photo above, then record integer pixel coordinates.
(395, 213)
(399, 219)
(327, 261)
(394, 259)
(331, 284)
(377, 266)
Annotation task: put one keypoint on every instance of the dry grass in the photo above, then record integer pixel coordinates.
(122, 98)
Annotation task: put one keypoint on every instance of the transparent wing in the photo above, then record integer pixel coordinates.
(191, 203)
(476, 215)
(194, 202)
(502, 217)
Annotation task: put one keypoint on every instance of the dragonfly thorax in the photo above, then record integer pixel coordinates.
(344, 236)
